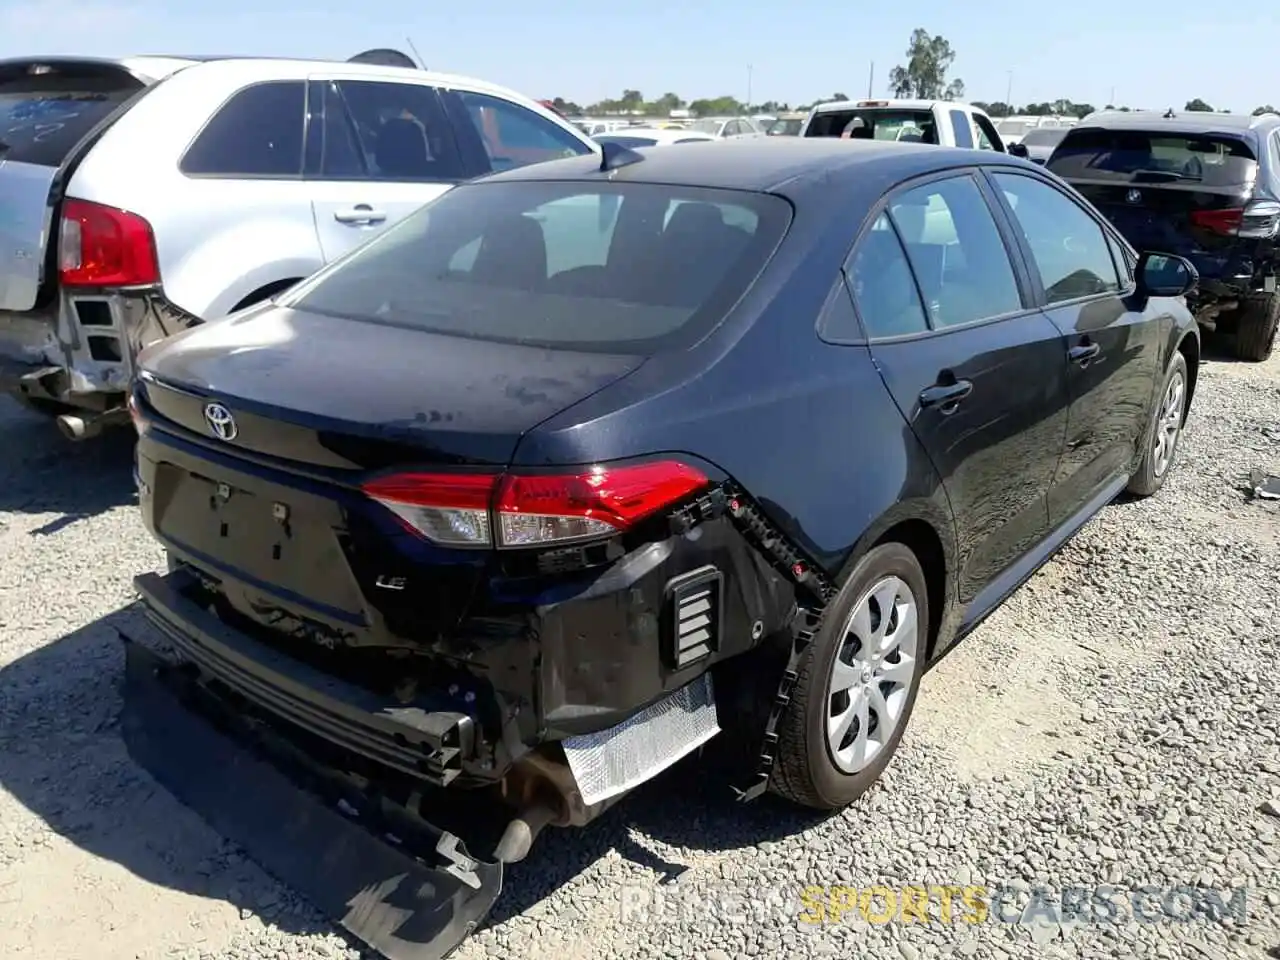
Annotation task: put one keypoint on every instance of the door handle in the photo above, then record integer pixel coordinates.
(947, 396)
(1084, 353)
(360, 213)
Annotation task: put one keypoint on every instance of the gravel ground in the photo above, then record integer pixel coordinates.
(1115, 722)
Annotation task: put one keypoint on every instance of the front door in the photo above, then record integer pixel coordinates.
(975, 368)
(1112, 341)
(379, 151)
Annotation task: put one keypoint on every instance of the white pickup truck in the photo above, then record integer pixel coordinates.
(943, 122)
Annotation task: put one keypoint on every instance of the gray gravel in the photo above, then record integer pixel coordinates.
(1115, 722)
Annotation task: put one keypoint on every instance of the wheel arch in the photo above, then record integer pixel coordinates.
(1189, 347)
(266, 291)
(925, 528)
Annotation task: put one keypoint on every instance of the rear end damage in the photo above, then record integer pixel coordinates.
(79, 285)
(413, 773)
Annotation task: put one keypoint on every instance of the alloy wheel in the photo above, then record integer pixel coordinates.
(1168, 424)
(872, 674)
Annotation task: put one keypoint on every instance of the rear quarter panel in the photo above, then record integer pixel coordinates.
(807, 428)
(217, 239)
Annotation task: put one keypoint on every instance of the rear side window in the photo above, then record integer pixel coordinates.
(257, 133)
(386, 131)
(514, 136)
(44, 114)
(635, 268)
(874, 124)
(956, 252)
(1136, 156)
(883, 288)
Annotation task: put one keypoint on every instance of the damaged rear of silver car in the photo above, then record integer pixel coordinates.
(78, 283)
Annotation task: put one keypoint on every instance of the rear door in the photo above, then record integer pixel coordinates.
(1168, 191)
(45, 110)
(974, 366)
(376, 151)
(1112, 341)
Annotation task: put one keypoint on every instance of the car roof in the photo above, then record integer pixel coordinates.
(1191, 121)
(658, 133)
(786, 165)
(154, 67)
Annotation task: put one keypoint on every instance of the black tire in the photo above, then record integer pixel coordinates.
(804, 770)
(1151, 476)
(1256, 327)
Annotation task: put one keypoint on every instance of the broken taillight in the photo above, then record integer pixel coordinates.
(531, 510)
(100, 246)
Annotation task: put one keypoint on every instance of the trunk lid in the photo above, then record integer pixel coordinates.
(46, 109)
(329, 392)
(1166, 191)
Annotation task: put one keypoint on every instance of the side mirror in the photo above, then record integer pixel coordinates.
(1018, 150)
(1165, 275)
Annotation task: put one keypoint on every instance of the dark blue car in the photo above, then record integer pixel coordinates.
(578, 469)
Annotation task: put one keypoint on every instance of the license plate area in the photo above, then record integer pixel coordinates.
(269, 535)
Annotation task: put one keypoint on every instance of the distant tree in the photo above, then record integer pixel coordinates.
(1081, 110)
(924, 77)
(996, 109)
(567, 107)
(1197, 106)
(717, 107)
(1259, 111)
(954, 91)
(665, 104)
(839, 96)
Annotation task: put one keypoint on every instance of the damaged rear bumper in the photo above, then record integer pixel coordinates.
(415, 899)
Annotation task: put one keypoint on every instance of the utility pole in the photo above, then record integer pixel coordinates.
(1008, 92)
(1112, 101)
(871, 81)
(749, 69)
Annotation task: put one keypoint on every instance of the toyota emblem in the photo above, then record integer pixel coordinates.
(221, 423)
(1134, 196)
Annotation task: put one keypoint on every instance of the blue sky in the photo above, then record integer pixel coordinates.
(588, 49)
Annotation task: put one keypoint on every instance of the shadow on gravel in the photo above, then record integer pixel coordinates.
(62, 757)
(43, 472)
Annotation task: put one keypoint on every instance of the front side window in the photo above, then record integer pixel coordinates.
(386, 131)
(956, 251)
(514, 136)
(607, 267)
(883, 289)
(257, 133)
(1069, 247)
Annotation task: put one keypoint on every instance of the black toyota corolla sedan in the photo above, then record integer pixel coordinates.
(590, 463)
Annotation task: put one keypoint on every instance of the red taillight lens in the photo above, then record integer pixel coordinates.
(1224, 222)
(101, 246)
(531, 510)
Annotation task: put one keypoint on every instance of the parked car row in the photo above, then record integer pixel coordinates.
(505, 502)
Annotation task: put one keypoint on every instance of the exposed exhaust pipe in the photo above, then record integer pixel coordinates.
(76, 427)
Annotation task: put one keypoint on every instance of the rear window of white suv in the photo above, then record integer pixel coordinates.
(46, 109)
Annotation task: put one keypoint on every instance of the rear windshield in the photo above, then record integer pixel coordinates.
(43, 115)
(626, 141)
(618, 268)
(874, 124)
(1044, 136)
(1135, 156)
(785, 128)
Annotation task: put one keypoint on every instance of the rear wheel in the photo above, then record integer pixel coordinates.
(1256, 327)
(1164, 432)
(857, 683)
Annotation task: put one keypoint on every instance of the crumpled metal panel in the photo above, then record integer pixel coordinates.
(613, 761)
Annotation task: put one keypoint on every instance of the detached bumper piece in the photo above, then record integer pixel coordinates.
(408, 907)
